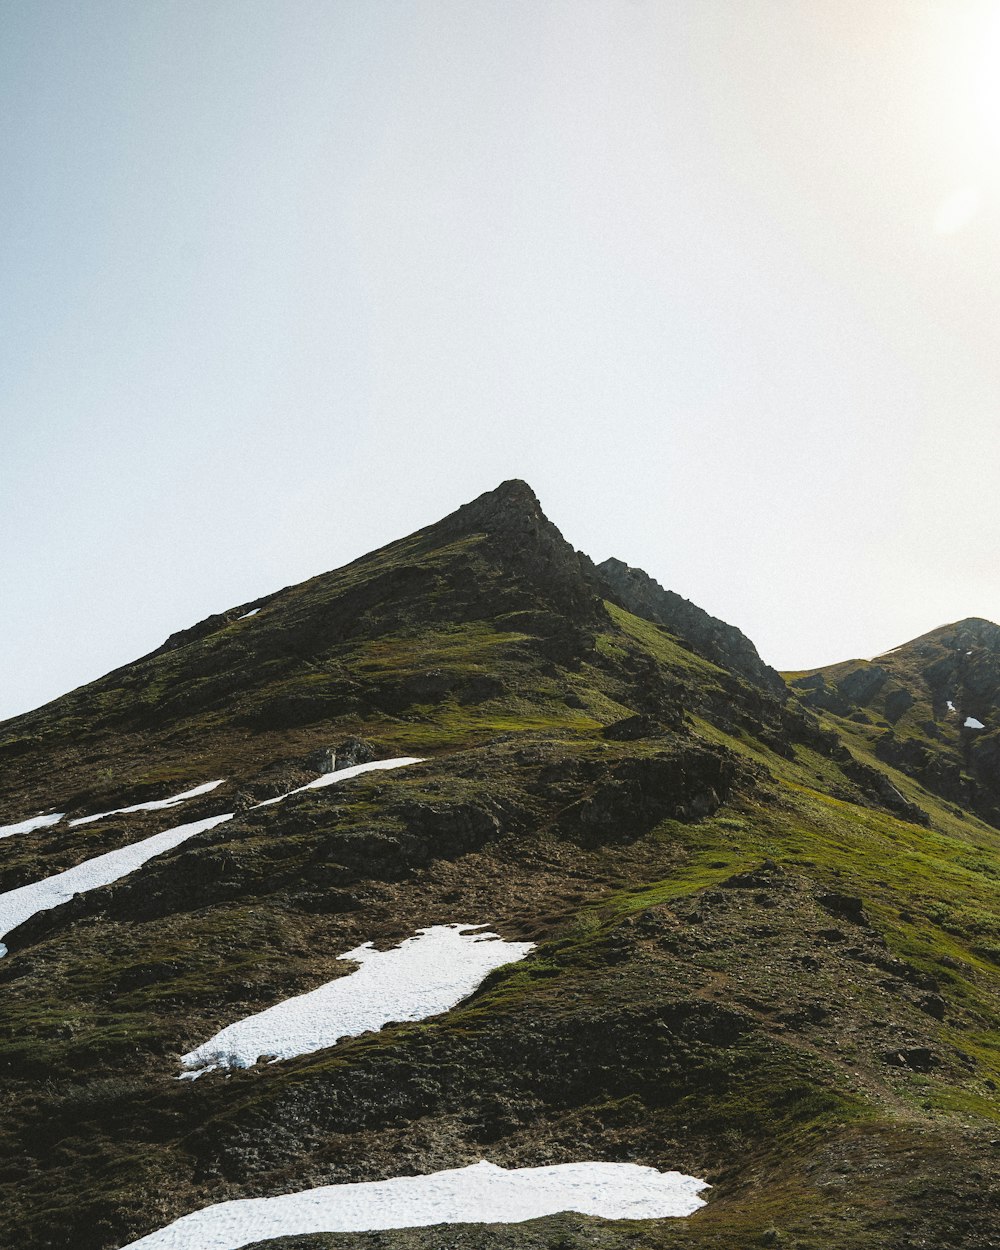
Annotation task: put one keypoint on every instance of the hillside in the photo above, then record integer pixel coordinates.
(763, 917)
(930, 708)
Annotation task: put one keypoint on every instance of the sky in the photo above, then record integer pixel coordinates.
(283, 281)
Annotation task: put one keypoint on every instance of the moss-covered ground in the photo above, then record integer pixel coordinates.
(747, 967)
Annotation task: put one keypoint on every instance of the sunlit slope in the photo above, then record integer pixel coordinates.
(929, 708)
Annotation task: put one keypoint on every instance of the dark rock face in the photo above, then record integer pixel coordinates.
(823, 697)
(897, 703)
(878, 786)
(632, 728)
(860, 686)
(347, 754)
(635, 795)
(525, 540)
(723, 644)
(845, 906)
(969, 779)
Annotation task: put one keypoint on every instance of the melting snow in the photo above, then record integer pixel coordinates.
(17, 906)
(951, 706)
(424, 975)
(34, 822)
(972, 723)
(246, 615)
(480, 1194)
(154, 806)
(344, 774)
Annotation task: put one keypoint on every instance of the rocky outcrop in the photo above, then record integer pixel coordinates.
(862, 684)
(723, 644)
(876, 785)
(527, 542)
(627, 800)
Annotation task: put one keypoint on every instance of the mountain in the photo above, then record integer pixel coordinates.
(761, 911)
(930, 708)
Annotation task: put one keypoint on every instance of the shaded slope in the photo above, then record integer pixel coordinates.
(466, 609)
(748, 968)
(736, 996)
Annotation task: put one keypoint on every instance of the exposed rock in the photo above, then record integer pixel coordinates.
(352, 751)
(846, 906)
(877, 785)
(632, 728)
(828, 699)
(916, 1058)
(897, 703)
(723, 644)
(862, 684)
(636, 794)
(513, 521)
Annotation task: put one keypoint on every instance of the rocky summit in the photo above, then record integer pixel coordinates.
(747, 925)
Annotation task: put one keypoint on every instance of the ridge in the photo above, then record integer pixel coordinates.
(716, 640)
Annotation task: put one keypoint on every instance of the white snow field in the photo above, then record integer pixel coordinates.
(17, 906)
(33, 822)
(247, 615)
(479, 1194)
(423, 976)
(344, 774)
(972, 723)
(156, 805)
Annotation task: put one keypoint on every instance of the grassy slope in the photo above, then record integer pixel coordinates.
(782, 1085)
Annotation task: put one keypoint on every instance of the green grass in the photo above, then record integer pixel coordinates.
(661, 644)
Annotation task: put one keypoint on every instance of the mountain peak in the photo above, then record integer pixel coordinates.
(988, 632)
(511, 505)
(527, 542)
(972, 631)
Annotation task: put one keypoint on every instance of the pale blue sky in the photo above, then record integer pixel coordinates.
(283, 281)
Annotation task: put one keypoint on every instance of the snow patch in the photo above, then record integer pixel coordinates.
(344, 774)
(17, 906)
(424, 975)
(246, 615)
(972, 723)
(479, 1194)
(155, 805)
(951, 706)
(33, 822)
